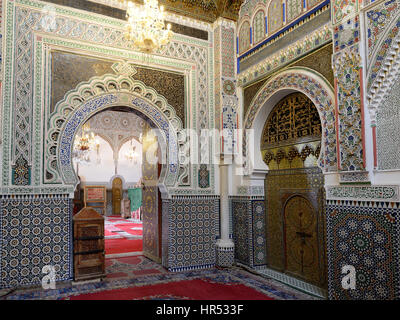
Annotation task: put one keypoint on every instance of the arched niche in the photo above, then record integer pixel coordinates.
(291, 80)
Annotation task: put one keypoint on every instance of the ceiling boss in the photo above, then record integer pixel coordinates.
(146, 26)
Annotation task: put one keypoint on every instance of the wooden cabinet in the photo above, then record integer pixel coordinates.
(89, 249)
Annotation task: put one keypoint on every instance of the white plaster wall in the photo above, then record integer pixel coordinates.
(130, 171)
(103, 166)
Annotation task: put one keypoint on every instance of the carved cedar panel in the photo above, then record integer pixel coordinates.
(295, 228)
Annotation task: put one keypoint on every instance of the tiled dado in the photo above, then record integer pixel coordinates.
(363, 234)
(35, 231)
(225, 256)
(248, 219)
(190, 230)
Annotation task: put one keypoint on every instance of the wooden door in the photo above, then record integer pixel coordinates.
(301, 240)
(151, 206)
(116, 196)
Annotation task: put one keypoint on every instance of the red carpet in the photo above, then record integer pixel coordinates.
(128, 228)
(197, 289)
(108, 233)
(123, 245)
(120, 236)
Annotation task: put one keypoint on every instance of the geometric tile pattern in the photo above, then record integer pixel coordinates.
(204, 176)
(242, 230)
(365, 235)
(35, 232)
(225, 257)
(192, 227)
(249, 231)
(259, 238)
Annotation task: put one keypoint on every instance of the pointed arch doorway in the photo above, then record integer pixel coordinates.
(107, 92)
(124, 235)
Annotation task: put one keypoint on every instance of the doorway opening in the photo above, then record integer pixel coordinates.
(115, 147)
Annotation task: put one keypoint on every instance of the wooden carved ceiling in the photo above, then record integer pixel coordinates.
(207, 10)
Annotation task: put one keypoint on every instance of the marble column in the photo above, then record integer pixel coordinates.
(225, 246)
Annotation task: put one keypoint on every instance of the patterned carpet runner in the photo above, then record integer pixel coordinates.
(138, 278)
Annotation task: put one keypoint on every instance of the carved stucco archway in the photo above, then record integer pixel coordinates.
(383, 67)
(297, 79)
(96, 95)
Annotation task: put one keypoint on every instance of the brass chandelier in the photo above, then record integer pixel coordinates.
(132, 155)
(146, 26)
(83, 143)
